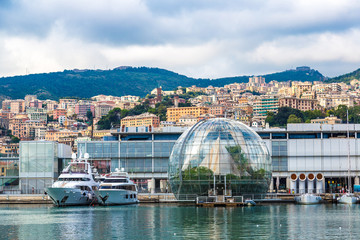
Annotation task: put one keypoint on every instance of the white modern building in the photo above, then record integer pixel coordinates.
(312, 149)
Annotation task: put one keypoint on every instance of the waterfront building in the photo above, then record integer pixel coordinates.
(174, 114)
(298, 148)
(219, 157)
(142, 153)
(314, 148)
(145, 119)
(40, 164)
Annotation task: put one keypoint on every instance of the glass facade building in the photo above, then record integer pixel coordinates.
(145, 156)
(217, 155)
(9, 174)
(40, 164)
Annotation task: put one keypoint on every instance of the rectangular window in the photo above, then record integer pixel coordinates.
(279, 136)
(279, 148)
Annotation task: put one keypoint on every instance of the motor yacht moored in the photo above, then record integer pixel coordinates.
(75, 185)
(117, 189)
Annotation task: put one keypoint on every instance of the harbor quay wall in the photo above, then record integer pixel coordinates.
(44, 199)
(163, 198)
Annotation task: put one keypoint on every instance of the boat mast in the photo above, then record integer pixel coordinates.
(348, 145)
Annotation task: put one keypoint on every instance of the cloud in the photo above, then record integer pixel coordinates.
(198, 38)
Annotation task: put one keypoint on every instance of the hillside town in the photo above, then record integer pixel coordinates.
(70, 120)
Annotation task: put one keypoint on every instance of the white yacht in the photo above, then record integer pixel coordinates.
(308, 198)
(348, 198)
(75, 185)
(117, 189)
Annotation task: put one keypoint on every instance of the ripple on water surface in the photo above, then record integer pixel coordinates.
(171, 221)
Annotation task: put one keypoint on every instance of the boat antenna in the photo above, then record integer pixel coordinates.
(348, 145)
(73, 157)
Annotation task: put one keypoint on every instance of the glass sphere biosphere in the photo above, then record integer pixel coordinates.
(219, 155)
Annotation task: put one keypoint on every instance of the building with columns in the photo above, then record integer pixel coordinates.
(312, 149)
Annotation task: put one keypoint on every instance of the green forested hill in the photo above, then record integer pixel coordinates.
(296, 75)
(346, 77)
(118, 82)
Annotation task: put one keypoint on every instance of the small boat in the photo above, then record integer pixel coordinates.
(308, 198)
(250, 202)
(117, 189)
(348, 198)
(75, 185)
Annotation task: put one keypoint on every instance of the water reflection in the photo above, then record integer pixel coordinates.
(170, 221)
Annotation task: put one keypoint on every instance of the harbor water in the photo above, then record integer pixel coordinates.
(174, 221)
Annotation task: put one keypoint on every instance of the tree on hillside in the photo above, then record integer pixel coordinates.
(313, 114)
(89, 117)
(186, 104)
(111, 119)
(280, 119)
(341, 112)
(14, 139)
(294, 119)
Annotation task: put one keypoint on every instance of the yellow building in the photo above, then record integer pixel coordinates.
(54, 135)
(327, 120)
(145, 119)
(96, 134)
(174, 114)
(9, 148)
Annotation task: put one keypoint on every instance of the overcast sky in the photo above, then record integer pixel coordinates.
(200, 38)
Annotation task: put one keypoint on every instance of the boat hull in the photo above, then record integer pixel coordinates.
(116, 197)
(347, 199)
(69, 196)
(307, 199)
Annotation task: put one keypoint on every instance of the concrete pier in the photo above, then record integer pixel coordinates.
(25, 199)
